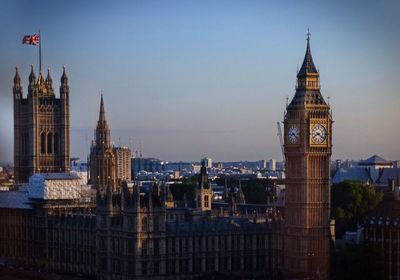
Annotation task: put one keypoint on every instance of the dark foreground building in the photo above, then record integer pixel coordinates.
(382, 228)
(127, 232)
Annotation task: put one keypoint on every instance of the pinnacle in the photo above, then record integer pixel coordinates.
(102, 114)
(308, 64)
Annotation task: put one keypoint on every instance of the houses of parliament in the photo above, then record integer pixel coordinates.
(130, 232)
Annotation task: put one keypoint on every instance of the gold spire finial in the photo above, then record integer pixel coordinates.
(308, 35)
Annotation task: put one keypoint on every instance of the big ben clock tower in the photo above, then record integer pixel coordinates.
(308, 148)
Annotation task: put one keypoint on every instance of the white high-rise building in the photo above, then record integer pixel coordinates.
(207, 162)
(123, 163)
(272, 165)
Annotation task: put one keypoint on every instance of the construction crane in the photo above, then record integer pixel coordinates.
(281, 140)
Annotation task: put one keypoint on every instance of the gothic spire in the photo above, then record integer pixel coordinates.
(40, 79)
(64, 78)
(17, 88)
(203, 177)
(102, 130)
(17, 78)
(308, 64)
(102, 114)
(32, 77)
(49, 80)
(308, 85)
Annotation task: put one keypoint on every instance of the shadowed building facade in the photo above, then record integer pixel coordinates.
(41, 126)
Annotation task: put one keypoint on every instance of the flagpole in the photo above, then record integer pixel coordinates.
(40, 52)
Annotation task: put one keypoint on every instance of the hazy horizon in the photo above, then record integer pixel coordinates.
(209, 78)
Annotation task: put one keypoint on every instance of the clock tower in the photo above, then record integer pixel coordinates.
(308, 148)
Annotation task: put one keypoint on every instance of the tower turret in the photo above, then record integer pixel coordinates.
(232, 201)
(17, 88)
(64, 78)
(41, 128)
(240, 195)
(102, 160)
(204, 192)
(64, 87)
(32, 81)
(49, 82)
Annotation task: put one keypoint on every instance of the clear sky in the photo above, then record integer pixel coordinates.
(189, 79)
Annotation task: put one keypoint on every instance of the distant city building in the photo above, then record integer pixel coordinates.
(263, 164)
(178, 166)
(196, 168)
(396, 163)
(41, 126)
(207, 162)
(123, 161)
(375, 170)
(272, 165)
(146, 164)
(374, 166)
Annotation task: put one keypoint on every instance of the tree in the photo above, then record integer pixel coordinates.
(352, 202)
(254, 190)
(186, 188)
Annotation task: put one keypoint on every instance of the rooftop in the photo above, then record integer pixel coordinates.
(15, 199)
(375, 160)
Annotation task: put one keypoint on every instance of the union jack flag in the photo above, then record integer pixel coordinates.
(31, 39)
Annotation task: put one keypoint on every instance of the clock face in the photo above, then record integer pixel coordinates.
(293, 134)
(318, 134)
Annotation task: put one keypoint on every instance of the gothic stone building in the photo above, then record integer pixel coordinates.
(134, 233)
(41, 127)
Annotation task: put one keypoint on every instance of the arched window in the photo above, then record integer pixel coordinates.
(42, 143)
(50, 143)
(56, 143)
(206, 201)
(144, 224)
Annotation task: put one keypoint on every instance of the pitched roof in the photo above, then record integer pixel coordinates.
(375, 160)
(389, 174)
(307, 97)
(308, 64)
(354, 173)
(14, 199)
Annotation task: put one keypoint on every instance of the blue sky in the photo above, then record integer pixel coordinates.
(189, 79)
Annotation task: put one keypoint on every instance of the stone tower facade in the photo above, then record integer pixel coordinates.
(41, 126)
(102, 158)
(204, 193)
(308, 148)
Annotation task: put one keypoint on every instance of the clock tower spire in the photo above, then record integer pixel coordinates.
(308, 148)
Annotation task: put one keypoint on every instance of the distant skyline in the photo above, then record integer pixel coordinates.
(189, 79)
